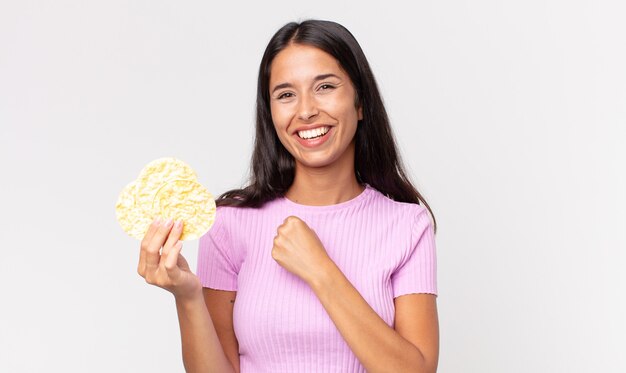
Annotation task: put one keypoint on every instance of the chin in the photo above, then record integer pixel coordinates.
(320, 162)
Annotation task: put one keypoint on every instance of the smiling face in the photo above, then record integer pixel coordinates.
(310, 91)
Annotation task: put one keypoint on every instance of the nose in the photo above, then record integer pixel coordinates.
(307, 107)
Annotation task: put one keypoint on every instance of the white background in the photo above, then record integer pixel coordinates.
(510, 117)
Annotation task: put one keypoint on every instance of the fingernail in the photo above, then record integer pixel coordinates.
(168, 222)
(157, 221)
(179, 223)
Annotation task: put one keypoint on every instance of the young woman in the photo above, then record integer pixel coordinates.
(326, 261)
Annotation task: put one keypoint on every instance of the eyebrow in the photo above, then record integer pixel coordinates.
(319, 77)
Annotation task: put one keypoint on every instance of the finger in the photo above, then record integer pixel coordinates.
(144, 245)
(171, 261)
(151, 230)
(154, 246)
(175, 233)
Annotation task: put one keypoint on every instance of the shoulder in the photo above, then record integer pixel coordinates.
(232, 218)
(406, 210)
(222, 220)
(230, 213)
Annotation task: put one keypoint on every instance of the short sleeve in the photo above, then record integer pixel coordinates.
(216, 268)
(418, 271)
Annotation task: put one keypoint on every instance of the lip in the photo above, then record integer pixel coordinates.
(315, 142)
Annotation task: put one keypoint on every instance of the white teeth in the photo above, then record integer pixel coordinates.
(313, 133)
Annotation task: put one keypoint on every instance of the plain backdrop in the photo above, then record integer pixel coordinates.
(510, 117)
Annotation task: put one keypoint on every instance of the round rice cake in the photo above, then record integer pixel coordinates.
(133, 219)
(157, 173)
(166, 187)
(189, 201)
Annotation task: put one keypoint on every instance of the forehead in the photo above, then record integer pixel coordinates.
(302, 62)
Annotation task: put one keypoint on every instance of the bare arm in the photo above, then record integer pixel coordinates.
(220, 304)
(412, 347)
(202, 350)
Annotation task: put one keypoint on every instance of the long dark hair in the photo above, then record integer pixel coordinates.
(376, 161)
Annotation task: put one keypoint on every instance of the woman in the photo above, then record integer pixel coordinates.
(328, 252)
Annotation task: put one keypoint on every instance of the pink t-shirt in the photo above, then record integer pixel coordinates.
(383, 247)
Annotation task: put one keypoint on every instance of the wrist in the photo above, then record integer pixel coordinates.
(190, 298)
(324, 277)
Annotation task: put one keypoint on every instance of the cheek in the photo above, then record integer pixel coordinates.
(279, 116)
(280, 124)
(348, 111)
(343, 107)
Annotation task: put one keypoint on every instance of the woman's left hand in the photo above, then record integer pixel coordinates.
(298, 249)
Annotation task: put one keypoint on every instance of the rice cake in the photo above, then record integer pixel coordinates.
(189, 201)
(167, 188)
(133, 219)
(157, 173)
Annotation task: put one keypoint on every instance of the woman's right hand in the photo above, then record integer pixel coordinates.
(168, 270)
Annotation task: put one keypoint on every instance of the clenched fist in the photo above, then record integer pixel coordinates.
(298, 249)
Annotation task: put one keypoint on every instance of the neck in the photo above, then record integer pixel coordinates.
(327, 185)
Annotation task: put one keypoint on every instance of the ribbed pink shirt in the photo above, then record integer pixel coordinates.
(385, 248)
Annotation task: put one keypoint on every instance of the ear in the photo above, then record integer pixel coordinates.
(360, 112)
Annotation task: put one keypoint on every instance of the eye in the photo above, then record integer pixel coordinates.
(284, 95)
(326, 86)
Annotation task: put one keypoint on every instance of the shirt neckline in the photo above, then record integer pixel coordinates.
(325, 208)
